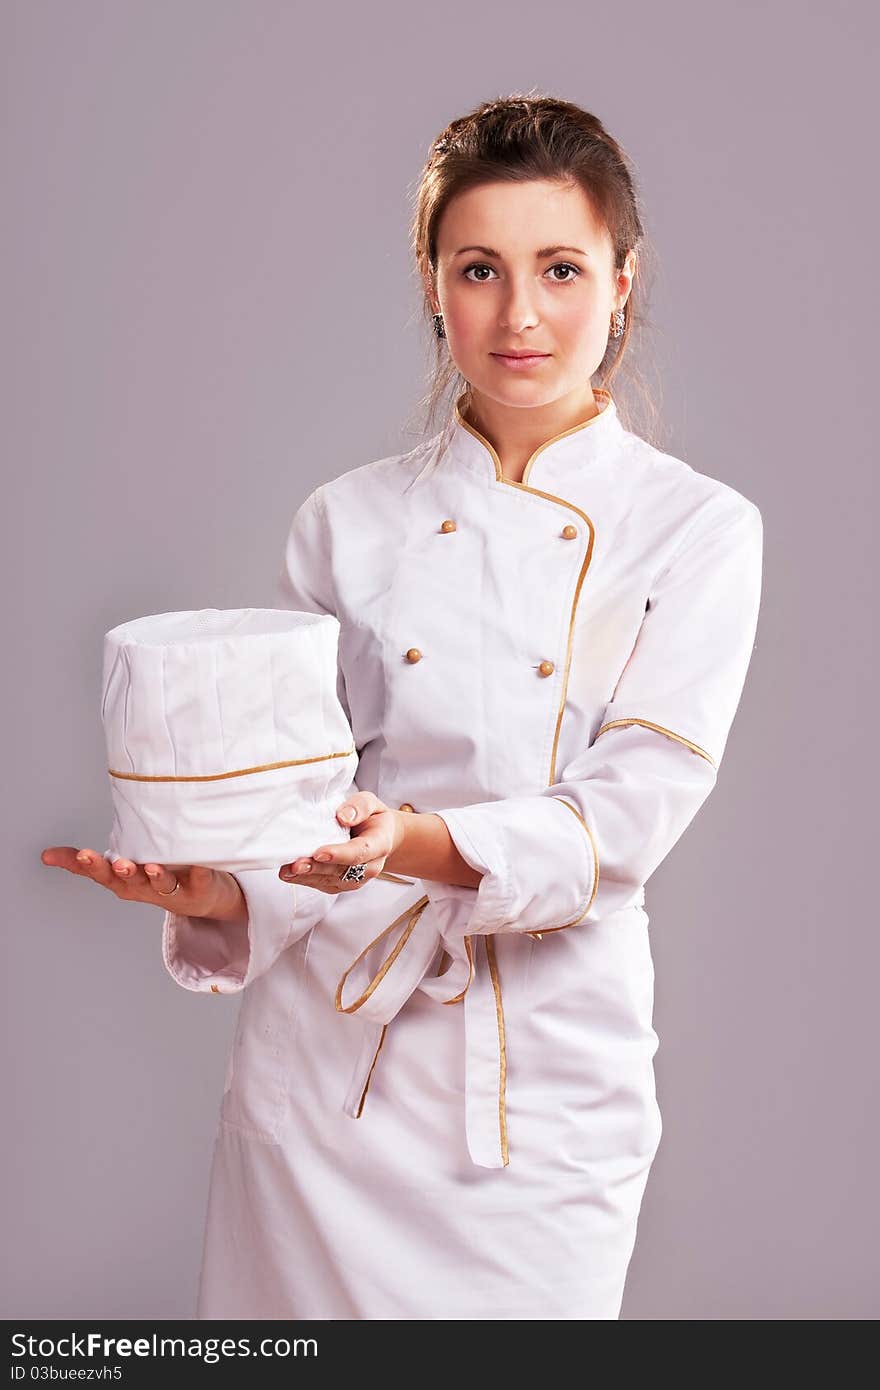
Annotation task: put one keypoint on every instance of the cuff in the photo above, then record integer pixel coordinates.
(537, 858)
(223, 957)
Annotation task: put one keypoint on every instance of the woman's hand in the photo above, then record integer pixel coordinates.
(202, 893)
(380, 833)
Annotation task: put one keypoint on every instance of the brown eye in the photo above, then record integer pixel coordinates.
(476, 266)
(566, 265)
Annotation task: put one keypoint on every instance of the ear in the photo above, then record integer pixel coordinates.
(430, 286)
(625, 277)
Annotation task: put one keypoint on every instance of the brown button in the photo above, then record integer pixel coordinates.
(214, 989)
(569, 532)
(413, 654)
(546, 668)
(405, 806)
(448, 526)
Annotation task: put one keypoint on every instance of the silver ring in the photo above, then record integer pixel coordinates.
(354, 873)
(171, 892)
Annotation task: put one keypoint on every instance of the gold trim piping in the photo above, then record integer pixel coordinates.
(394, 878)
(694, 747)
(546, 931)
(415, 911)
(360, 1108)
(563, 434)
(499, 1014)
(239, 772)
(563, 502)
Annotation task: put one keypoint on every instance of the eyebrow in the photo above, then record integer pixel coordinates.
(544, 251)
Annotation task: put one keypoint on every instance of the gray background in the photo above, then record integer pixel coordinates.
(209, 308)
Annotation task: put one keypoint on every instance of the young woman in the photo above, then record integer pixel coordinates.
(440, 1100)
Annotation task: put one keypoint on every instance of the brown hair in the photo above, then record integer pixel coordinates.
(514, 139)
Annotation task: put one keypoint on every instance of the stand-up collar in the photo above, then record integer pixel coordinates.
(555, 458)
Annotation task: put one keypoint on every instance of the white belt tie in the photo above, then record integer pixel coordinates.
(399, 961)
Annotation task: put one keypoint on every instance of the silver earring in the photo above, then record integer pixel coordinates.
(618, 322)
(438, 325)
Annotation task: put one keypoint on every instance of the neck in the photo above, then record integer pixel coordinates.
(515, 432)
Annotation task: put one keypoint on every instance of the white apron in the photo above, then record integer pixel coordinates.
(440, 1100)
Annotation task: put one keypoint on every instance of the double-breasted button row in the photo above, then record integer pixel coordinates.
(546, 668)
(568, 533)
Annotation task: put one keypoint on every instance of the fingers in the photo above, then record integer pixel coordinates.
(358, 850)
(327, 877)
(124, 873)
(363, 804)
(140, 880)
(130, 875)
(373, 844)
(299, 868)
(160, 879)
(332, 882)
(87, 863)
(324, 868)
(329, 861)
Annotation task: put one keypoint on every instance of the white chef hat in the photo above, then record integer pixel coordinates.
(227, 744)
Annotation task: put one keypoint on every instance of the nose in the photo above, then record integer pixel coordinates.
(518, 310)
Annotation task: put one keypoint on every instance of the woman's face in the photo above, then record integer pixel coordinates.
(501, 287)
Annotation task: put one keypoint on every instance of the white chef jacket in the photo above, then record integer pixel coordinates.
(553, 667)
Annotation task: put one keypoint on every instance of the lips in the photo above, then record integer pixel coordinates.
(522, 362)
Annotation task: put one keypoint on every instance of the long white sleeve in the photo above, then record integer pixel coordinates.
(585, 846)
(205, 954)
